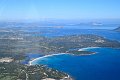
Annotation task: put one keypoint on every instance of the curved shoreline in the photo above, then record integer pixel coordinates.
(30, 62)
(66, 77)
(82, 49)
(88, 54)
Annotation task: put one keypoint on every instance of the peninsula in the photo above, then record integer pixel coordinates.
(117, 29)
(15, 44)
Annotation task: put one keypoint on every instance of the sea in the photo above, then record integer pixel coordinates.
(104, 65)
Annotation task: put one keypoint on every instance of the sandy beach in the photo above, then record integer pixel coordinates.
(30, 62)
(84, 49)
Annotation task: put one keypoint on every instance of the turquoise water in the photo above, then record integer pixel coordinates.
(105, 65)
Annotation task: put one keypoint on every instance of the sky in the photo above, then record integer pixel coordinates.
(59, 9)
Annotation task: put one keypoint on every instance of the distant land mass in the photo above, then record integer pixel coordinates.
(117, 29)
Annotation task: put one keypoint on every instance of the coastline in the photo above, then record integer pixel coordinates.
(31, 61)
(82, 49)
(86, 54)
(68, 77)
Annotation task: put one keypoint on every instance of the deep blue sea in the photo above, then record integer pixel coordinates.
(105, 65)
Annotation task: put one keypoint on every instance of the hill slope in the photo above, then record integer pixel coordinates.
(117, 29)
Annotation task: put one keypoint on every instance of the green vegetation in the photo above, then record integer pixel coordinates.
(14, 71)
(81, 52)
(15, 44)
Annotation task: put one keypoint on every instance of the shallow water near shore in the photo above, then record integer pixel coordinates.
(105, 65)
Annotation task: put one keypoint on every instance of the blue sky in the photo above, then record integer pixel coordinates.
(59, 9)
